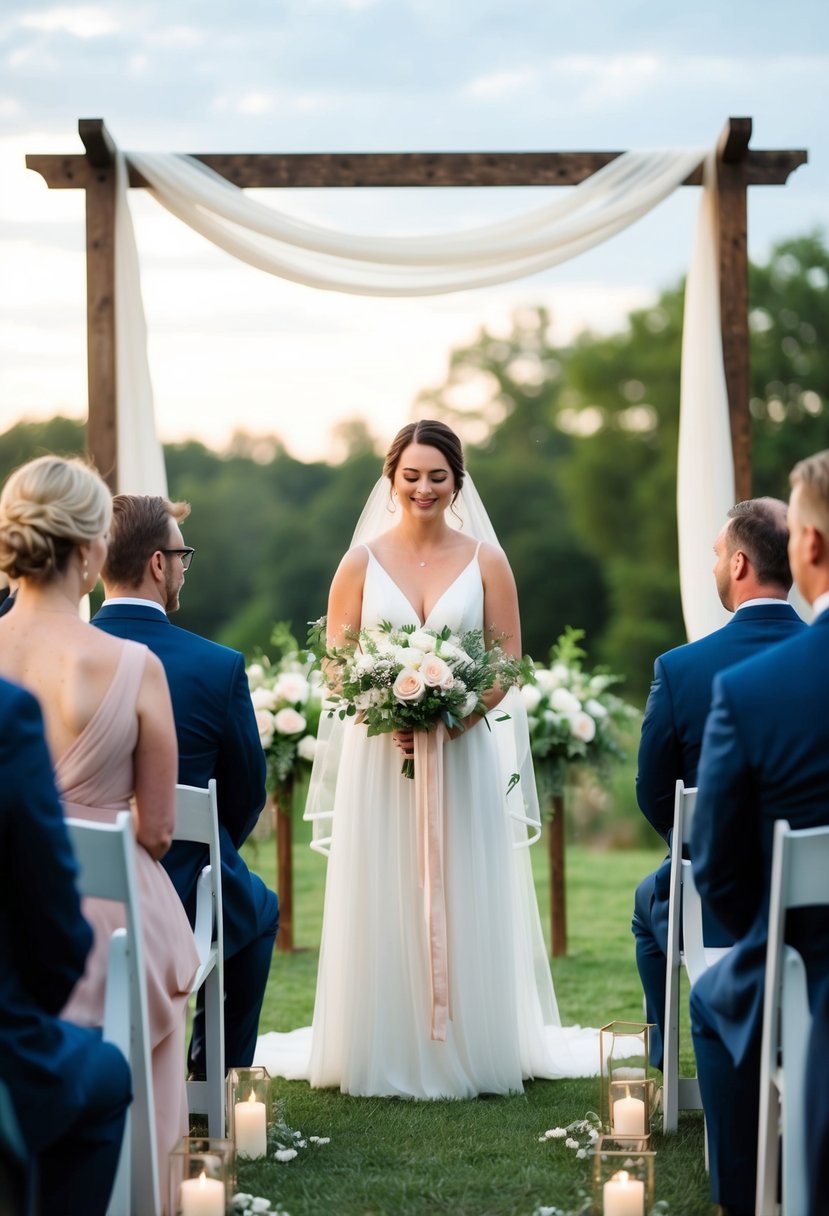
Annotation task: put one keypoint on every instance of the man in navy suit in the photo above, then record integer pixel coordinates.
(70, 1090)
(765, 756)
(217, 737)
(752, 576)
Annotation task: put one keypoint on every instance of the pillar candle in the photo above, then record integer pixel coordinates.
(203, 1196)
(251, 1128)
(624, 1196)
(628, 1117)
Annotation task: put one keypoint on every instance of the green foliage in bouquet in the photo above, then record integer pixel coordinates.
(287, 696)
(573, 716)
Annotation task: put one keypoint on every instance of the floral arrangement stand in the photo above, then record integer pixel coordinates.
(574, 721)
(287, 699)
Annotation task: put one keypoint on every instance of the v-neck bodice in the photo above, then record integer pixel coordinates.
(460, 605)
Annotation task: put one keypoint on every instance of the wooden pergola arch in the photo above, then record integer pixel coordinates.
(94, 172)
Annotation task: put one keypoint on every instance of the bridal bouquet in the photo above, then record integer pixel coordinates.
(411, 678)
(287, 699)
(573, 715)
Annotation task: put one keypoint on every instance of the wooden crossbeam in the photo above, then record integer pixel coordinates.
(739, 167)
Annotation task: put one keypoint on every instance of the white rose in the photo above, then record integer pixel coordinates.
(306, 747)
(255, 674)
(292, 686)
(583, 727)
(409, 686)
(531, 696)
(263, 698)
(436, 673)
(564, 702)
(265, 726)
(289, 722)
(422, 641)
(545, 679)
(595, 709)
(408, 656)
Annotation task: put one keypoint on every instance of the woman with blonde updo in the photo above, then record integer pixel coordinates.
(110, 729)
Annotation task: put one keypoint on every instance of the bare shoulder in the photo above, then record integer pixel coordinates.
(353, 564)
(493, 561)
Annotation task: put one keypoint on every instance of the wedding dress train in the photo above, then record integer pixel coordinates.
(371, 1027)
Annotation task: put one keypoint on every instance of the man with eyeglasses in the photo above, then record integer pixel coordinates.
(217, 736)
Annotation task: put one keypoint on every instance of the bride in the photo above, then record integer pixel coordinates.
(402, 1010)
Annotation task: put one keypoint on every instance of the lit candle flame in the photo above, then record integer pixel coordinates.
(202, 1179)
(621, 1176)
(252, 1097)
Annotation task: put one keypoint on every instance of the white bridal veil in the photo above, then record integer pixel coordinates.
(511, 733)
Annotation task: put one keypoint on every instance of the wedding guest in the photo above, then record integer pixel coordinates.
(217, 737)
(69, 1090)
(110, 732)
(765, 756)
(753, 578)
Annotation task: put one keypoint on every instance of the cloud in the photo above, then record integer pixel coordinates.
(496, 85)
(81, 21)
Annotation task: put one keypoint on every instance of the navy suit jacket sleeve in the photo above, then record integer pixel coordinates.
(660, 758)
(240, 767)
(51, 939)
(726, 847)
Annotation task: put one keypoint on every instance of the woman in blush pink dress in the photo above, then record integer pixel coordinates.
(110, 730)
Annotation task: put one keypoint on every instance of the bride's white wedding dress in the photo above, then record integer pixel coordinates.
(371, 1029)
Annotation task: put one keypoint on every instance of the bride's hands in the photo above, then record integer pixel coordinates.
(404, 739)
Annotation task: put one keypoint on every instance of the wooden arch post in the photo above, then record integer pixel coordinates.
(738, 166)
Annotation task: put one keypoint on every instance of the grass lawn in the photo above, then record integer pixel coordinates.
(480, 1158)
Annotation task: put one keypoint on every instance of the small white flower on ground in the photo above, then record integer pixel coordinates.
(581, 1153)
(531, 696)
(556, 1133)
(571, 1143)
(289, 722)
(285, 1154)
(306, 747)
(241, 1201)
(261, 1205)
(320, 1139)
(583, 727)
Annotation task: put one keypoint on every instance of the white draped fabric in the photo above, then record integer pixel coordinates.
(705, 468)
(575, 221)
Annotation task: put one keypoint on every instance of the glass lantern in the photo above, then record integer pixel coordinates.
(622, 1178)
(249, 1110)
(627, 1092)
(202, 1178)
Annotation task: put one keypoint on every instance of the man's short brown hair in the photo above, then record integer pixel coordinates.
(140, 527)
(758, 528)
(812, 475)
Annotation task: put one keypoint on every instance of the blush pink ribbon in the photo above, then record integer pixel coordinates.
(428, 777)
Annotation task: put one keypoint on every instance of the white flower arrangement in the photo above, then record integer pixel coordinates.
(573, 717)
(287, 699)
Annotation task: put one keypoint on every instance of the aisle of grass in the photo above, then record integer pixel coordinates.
(479, 1158)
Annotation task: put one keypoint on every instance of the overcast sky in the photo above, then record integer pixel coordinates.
(230, 346)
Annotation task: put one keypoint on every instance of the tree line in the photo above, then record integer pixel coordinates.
(573, 449)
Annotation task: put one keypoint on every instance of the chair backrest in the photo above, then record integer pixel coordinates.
(197, 820)
(799, 868)
(106, 856)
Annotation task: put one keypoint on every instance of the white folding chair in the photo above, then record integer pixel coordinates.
(197, 820)
(799, 869)
(685, 908)
(106, 856)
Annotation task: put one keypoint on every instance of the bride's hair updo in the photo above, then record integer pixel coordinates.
(47, 507)
(434, 435)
